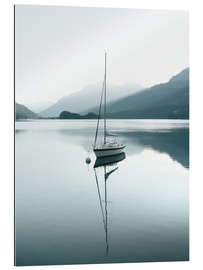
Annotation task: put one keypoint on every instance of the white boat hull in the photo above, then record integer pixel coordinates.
(108, 152)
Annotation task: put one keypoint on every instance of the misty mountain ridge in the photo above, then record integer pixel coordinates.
(22, 112)
(37, 107)
(181, 76)
(88, 97)
(168, 100)
(162, 101)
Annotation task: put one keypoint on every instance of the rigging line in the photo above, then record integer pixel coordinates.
(100, 201)
(100, 106)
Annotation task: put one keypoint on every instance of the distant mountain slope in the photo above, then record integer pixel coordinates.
(88, 97)
(37, 107)
(182, 76)
(22, 112)
(167, 100)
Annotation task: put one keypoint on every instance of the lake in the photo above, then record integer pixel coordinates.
(135, 209)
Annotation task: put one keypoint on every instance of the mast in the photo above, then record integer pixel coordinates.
(99, 115)
(105, 101)
(103, 93)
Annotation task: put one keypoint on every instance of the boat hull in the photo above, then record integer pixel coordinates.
(108, 152)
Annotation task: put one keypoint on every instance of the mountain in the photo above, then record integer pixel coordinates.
(22, 112)
(182, 76)
(39, 106)
(167, 100)
(88, 97)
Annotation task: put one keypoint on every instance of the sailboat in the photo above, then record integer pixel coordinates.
(107, 148)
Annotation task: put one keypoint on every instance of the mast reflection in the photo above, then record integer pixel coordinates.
(109, 165)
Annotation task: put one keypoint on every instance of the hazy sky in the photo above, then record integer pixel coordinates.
(60, 50)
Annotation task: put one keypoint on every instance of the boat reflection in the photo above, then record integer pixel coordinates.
(109, 160)
(109, 165)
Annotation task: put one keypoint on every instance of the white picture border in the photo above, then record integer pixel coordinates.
(196, 130)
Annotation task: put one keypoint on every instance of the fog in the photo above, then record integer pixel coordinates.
(60, 50)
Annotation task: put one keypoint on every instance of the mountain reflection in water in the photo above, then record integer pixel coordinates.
(174, 142)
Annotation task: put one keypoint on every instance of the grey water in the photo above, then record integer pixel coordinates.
(67, 213)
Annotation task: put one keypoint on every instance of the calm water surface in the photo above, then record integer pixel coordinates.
(66, 213)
